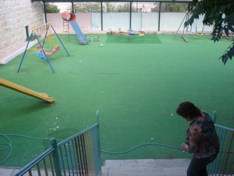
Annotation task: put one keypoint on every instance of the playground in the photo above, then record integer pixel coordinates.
(136, 85)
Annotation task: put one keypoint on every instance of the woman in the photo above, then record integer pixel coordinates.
(201, 138)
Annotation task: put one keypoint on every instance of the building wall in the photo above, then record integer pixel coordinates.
(84, 21)
(15, 16)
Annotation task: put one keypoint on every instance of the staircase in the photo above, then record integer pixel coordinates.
(145, 167)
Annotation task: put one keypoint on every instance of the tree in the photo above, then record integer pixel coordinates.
(125, 8)
(51, 8)
(84, 7)
(219, 13)
(156, 7)
(89, 7)
(174, 7)
(110, 7)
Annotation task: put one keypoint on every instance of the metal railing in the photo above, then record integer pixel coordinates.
(79, 155)
(223, 164)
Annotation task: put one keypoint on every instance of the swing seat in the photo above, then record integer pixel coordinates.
(39, 48)
(49, 53)
(55, 49)
(41, 55)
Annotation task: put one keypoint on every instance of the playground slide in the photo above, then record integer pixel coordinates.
(83, 40)
(71, 18)
(25, 90)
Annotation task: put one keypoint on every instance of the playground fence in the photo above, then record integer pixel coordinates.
(95, 22)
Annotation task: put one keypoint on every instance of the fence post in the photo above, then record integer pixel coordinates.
(214, 116)
(55, 157)
(98, 145)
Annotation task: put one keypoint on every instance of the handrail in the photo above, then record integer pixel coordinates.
(77, 154)
(74, 136)
(226, 128)
(223, 164)
(34, 162)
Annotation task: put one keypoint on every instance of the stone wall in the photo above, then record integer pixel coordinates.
(15, 16)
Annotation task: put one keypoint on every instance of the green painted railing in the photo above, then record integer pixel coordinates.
(223, 164)
(79, 155)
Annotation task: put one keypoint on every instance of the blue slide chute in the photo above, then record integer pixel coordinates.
(71, 18)
(81, 37)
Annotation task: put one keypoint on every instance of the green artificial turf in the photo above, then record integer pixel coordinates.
(136, 88)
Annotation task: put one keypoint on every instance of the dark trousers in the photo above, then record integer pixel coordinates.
(197, 167)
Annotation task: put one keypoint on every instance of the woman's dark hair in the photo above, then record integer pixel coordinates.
(188, 109)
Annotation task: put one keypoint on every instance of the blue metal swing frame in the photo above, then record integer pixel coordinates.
(42, 53)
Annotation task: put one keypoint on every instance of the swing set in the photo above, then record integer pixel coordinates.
(42, 34)
(185, 30)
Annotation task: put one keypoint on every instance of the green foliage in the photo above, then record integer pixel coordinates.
(110, 7)
(88, 7)
(219, 13)
(174, 7)
(125, 8)
(84, 7)
(51, 8)
(228, 54)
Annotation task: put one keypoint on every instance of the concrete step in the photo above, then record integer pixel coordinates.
(144, 172)
(145, 167)
(148, 163)
(8, 171)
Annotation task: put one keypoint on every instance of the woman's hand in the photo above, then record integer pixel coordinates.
(185, 147)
